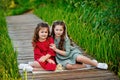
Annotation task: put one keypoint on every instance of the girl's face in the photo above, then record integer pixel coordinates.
(58, 30)
(43, 33)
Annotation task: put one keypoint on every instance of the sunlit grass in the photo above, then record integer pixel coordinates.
(87, 28)
(93, 25)
(8, 57)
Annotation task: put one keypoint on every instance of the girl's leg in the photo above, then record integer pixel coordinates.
(35, 64)
(37, 69)
(33, 67)
(86, 60)
(43, 66)
(75, 66)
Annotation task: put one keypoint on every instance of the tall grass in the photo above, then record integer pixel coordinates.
(89, 26)
(8, 57)
(94, 25)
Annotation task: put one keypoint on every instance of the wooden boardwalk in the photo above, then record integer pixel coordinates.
(21, 29)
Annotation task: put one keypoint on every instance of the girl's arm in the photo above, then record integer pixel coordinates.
(44, 58)
(61, 52)
(50, 52)
(39, 56)
(52, 46)
(47, 56)
(51, 61)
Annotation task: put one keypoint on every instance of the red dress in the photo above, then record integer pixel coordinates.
(41, 49)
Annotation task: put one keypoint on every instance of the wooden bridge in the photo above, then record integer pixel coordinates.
(21, 29)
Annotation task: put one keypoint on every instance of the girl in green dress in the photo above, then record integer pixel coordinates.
(67, 55)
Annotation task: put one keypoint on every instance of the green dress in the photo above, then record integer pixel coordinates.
(71, 53)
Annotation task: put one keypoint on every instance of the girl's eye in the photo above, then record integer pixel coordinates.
(44, 32)
(56, 29)
(60, 29)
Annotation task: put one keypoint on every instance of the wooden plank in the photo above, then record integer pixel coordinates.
(21, 31)
(21, 19)
(25, 54)
(21, 34)
(25, 57)
(22, 43)
(21, 37)
(78, 74)
(25, 61)
(30, 48)
(13, 27)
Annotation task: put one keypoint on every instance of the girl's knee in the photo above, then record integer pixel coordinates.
(35, 63)
(80, 57)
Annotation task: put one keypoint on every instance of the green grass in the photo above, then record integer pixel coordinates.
(23, 6)
(8, 57)
(93, 25)
(91, 28)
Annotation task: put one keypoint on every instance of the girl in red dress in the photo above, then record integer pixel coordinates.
(44, 56)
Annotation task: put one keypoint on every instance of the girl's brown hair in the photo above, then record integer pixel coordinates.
(36, 32)
(62, 38)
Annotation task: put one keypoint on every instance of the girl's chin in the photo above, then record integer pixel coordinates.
(42, 39)
(57, 36)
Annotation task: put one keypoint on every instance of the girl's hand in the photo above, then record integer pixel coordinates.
(53, 46)
(61, 52)
(51, 61)
(42, 59)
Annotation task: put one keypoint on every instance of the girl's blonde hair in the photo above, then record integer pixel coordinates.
(62, 38)
(36, 32)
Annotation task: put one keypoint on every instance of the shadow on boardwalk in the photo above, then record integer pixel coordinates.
(21, 29)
